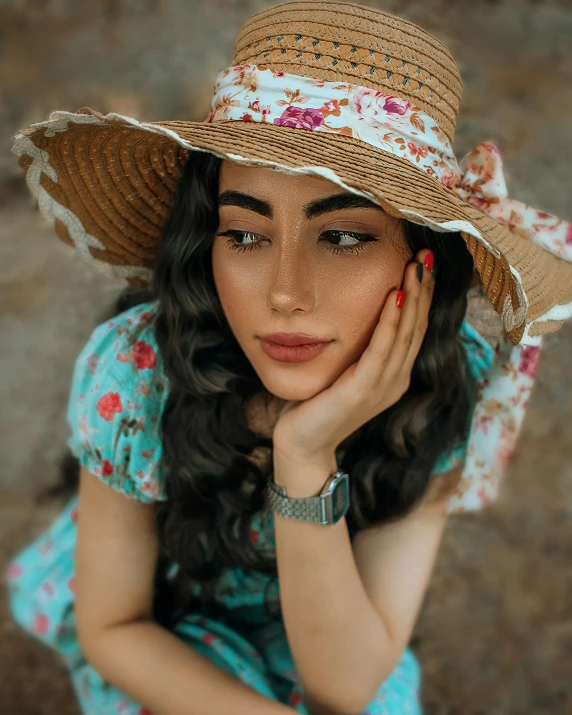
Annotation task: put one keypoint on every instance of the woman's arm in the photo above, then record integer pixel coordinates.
(116, 557)
(349, 609)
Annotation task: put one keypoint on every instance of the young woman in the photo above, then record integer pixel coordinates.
(270, 434)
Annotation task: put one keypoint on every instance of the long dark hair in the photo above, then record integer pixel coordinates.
(213, 488)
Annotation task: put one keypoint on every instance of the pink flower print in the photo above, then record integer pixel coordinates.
(484, 498)
(92, 363)
(149, 488)
(47, 588)
(448, 178)
(109, 405)
(144, 711)
(504, 455)
(71, 584)
(295, 698)
(82, 424)
(393, 105)
(257, 107)
(14, 571)
(146, 318)
(46, 547)
(41, 624)
(208, 638)
(106, 468)
(300, 118)
(490, 147)
(415, 149)
(143, 355)
(246, 117)
(253, 536)
(569, 235)
(371, 103)
(74, 513)
(529, 360)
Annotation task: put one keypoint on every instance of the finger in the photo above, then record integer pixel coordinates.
(405, 333)
(373, 360)
(427, 289)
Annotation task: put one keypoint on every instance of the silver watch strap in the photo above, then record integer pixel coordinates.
(302, 508)
(326, 508)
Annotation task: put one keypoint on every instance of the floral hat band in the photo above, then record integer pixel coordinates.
(252, 93)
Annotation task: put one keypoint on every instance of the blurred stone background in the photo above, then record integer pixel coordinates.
(495, 633)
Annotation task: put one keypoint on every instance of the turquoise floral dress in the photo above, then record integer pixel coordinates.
(117, 395)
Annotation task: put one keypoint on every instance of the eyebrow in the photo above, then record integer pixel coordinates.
(311, 209)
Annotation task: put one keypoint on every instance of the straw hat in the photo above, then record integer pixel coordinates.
(351, 93)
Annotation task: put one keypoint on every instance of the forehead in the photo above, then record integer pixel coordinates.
(236, 175)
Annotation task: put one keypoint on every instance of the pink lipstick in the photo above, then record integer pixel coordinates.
(292, 347)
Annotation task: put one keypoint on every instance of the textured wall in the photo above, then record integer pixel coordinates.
(495, 633)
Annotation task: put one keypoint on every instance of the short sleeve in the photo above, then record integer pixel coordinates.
(505, 377)
(117, 396)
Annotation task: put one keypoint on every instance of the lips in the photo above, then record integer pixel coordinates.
(292, 339)
(293, 353)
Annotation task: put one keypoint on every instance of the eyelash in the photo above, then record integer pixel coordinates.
(365, 239)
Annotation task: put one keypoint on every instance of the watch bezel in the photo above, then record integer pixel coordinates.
(329, 514)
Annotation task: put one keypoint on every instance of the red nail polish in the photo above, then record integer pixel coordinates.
(429, 260)
(400, 298)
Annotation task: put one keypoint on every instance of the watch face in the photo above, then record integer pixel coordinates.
(340, 499)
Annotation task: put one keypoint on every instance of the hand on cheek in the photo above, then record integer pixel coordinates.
(314, 428)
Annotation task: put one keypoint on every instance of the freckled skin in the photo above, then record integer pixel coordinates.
(293, 282)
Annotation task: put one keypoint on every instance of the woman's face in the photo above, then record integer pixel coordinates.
(294, 271)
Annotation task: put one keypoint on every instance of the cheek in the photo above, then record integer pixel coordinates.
(357, 303)
(237, 288)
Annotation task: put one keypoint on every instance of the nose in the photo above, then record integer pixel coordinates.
(292, 282)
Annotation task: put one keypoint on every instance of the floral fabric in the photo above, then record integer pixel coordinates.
(255, 93)
(118, 393)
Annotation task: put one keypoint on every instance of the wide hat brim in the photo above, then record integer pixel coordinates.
(107, 183)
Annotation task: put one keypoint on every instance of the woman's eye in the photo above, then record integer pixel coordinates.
(363, 239)
(236, 235)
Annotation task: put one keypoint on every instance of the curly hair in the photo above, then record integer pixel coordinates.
(214, 488)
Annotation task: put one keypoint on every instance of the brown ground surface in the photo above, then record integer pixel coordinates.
(495, 633)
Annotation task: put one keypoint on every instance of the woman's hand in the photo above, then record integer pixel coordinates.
(313, 428)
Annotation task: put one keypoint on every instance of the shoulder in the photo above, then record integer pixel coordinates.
(118, 392)
(125, 344)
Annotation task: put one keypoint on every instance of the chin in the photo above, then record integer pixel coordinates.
(290, 387)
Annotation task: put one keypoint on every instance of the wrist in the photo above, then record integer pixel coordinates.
(302, 476)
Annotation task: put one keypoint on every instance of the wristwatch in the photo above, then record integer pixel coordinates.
(326, 508)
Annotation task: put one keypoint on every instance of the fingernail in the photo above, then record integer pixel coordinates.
(429, 258)
(400, 298)
(419, 272)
